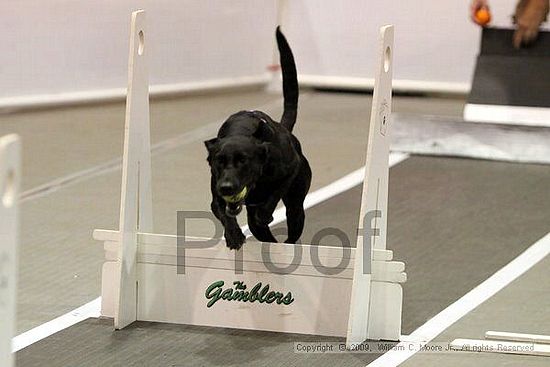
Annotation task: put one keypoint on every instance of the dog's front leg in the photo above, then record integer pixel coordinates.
(260, 216)
(234, 237)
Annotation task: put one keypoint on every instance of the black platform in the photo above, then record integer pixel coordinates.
(511, 77)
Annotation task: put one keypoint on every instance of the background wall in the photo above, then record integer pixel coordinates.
(63, 49)
(64, 46)
(435, 42)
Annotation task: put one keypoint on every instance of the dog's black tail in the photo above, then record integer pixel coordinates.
(290, 82)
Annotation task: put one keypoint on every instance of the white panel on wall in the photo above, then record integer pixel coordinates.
(63, 46)
(435, 41)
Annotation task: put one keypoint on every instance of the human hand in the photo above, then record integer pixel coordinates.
(528, 18)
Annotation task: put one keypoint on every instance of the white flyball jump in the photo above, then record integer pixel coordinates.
(10, 173)
(355, 294)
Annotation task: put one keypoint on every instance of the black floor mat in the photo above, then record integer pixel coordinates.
(506, 76)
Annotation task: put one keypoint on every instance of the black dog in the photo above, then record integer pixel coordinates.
(257, 162)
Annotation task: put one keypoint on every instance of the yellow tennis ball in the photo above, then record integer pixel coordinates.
(237, 197)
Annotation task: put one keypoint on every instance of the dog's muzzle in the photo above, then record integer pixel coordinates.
(234, 203)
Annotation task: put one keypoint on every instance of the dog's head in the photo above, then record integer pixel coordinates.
(236, 163)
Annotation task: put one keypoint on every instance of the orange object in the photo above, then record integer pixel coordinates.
(483, 16)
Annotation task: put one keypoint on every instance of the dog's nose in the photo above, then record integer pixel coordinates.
(227, 188)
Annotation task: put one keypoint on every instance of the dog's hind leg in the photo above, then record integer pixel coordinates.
(294, 202)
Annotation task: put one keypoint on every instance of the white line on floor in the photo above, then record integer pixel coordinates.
(439, 323)
(92, 309)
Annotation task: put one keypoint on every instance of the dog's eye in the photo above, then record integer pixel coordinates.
(240, 159)
(222, 160)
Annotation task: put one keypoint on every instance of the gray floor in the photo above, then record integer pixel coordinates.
(447, 254)
(483, 226)
(60, 263)
(521, 307)
(492, 211)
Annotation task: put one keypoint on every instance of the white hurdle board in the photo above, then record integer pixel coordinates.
(140, 279)
(10, 170)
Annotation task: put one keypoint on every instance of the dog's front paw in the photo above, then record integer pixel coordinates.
(234, 238)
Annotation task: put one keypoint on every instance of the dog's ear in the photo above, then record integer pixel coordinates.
(210, 147)
(211, 144)
(263, 132)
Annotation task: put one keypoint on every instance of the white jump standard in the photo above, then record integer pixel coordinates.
(10, 173)
(140, 279)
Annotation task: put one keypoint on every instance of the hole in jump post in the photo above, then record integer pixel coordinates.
(387, 59)
(141, 45)
(8, 194)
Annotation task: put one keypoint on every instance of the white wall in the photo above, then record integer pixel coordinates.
(62, 46)
(435, 42)
(52, 47)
